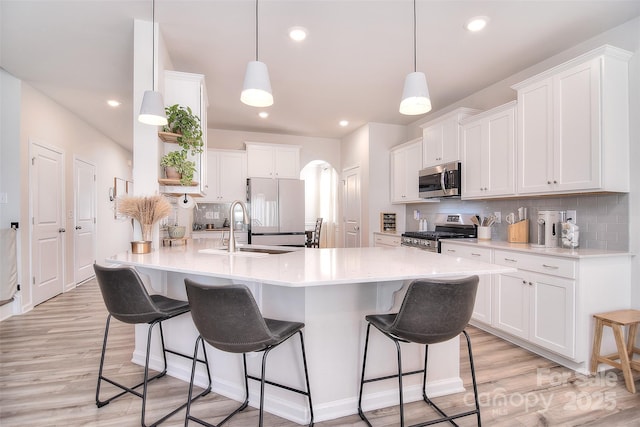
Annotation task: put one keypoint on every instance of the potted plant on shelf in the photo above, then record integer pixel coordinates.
(147, 210)
(177, 166)
(186, 125)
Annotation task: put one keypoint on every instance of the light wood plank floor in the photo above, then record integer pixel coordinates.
(49, 359)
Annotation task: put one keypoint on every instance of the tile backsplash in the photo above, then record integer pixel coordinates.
(215, 213)
(603, 219)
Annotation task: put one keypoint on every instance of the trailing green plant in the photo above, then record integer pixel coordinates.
(181, 120)
(178, 160)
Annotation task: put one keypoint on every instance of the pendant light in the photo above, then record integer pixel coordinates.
(152, 110)
(415, 96)
(256, 90)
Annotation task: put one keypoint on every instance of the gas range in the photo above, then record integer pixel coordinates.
(447, 226)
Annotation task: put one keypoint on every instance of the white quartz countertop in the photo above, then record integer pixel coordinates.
(306, 266)
(530, 249)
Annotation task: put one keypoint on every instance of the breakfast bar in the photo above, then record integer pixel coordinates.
(331, 291)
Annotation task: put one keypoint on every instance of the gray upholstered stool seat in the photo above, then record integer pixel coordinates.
(229, 319)
(128, 301)
(432, 311)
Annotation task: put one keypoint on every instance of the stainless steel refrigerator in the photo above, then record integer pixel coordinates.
(276, 207)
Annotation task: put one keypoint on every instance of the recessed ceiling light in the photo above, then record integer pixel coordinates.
(263, 114)
(298, 33)
(344, 123)
(113, 103)
(476, 23)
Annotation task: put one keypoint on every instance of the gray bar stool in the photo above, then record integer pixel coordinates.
(128, 301)
(229, 319)
(432, 311)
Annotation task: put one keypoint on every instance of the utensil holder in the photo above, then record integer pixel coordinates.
(518, 232)
(484, 233)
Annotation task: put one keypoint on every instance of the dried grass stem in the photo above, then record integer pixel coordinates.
(146, 210)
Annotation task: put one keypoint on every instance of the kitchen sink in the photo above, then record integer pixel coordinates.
(264, 250)
(247, 251)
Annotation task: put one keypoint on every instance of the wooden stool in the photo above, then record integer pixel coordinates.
(616, 320)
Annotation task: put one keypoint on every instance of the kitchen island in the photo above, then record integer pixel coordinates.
(331, 291)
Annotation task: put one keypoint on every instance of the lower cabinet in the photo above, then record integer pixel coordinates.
(538, 308)
(547, 304)
(385, 239)
(482, 308)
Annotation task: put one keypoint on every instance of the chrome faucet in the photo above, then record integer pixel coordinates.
(245, 220)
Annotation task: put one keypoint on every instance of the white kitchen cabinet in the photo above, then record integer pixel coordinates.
(226, 176)
(406, 162)
(386, 240)
(441, 137)
(482, 306)
(188, 90)
(273, 160)
(488, 153)
(537, 307)
(573, 127)
(547, 305)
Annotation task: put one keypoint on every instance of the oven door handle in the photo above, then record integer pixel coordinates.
(442, 179)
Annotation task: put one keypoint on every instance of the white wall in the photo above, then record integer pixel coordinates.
(381, 138)
(368, 147)
(43, 119)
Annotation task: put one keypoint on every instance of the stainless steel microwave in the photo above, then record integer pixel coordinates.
(440, 181)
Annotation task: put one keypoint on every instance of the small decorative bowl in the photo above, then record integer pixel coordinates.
(176, 231)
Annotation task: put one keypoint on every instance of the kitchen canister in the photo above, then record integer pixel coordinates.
(484, 233)
(569, 235)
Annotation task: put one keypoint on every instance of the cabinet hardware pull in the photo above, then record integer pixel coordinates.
(510, 260)
(550, 266)
(524, 282)
(530, 284)
(451, 250)
(476, 254)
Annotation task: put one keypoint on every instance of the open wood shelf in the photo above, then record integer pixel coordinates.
(167, 181)
(169, 137)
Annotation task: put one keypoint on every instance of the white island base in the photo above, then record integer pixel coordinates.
(332, 303)
(334, 340)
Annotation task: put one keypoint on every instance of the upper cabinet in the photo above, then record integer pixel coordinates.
(441, 137)
(226, 176)
(272, 160)
(187, 90)
(573, 126)
(488, 153)
(406, 162)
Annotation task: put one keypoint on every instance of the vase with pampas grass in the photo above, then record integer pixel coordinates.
(147, 210)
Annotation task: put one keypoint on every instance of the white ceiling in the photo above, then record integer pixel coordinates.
(352, 65)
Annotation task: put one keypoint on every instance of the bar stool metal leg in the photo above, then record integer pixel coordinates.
(444, 416)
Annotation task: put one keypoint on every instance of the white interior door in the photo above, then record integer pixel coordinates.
(47, 208)
(84, 174)
(352, 208)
